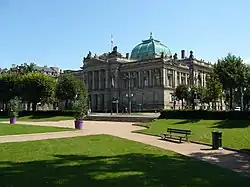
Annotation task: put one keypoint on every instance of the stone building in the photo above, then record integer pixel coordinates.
(143, 81)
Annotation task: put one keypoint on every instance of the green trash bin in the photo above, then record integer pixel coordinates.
(216, 139)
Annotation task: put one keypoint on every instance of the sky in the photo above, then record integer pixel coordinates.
(61, 32)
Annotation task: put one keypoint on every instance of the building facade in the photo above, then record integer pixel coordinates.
(143, 81)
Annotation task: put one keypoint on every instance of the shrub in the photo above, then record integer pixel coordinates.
(49, 113)
(14, 107)
(203, 114)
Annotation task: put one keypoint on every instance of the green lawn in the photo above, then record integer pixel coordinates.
(7, 129)
(41, 118)
(236, 134)
(106, 161)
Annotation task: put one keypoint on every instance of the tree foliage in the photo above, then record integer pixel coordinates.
(214, 87)
(181, 93)
(67, 88)
(9, 86)
(232, 73)
(37, 87)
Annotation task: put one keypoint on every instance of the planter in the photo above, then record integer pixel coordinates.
(12, 120)
(78, 124)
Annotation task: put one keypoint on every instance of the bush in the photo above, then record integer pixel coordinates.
(80, 108)
(14, 107)
(49, 113)
(203, 114)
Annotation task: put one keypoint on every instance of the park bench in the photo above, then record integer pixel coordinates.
(179, 134)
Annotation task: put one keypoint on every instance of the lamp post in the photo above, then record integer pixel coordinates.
(112, 85)
(242, 90)
(129, 95)
(174, 100)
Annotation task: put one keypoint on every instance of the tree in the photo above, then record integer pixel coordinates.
(67, 88)
(181, 93)
(37, 87)
(195, 92)
(213, 89)
(9, 86)
(231, 72)
(24, 68)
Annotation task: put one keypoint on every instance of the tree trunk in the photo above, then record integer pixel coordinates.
(66, 104)
(231, 99)
(4, 106)
(28, 106)
(182, 104)
(221, 104)
(193, 105)
(34, 106)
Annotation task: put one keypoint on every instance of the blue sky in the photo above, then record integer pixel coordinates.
(60, 32)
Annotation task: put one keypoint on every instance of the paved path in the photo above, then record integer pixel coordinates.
(224, 158)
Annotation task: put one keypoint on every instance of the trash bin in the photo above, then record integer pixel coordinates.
(216, 139)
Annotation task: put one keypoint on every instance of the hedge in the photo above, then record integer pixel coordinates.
(203, 114)
(48, 113)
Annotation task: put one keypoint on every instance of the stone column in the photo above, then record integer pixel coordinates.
(139, 79)
(175, 78)
(150, 78)
(98, 102)
(166, 81)
(204, 75)
(99, 78)
(197, 81)
(116, 78)
(164, 77)
(180, 76)
(106, 78)
(93, 80)
(186, 78)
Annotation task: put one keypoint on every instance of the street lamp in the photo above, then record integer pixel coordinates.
(129, 95)
(112, 85)
(174, 100)
(242, 90)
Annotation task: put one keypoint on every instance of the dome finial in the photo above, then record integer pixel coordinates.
(151, 35)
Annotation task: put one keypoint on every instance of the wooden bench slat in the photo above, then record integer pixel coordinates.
(171, 133)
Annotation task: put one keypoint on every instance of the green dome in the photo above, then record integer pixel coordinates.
(150, 48)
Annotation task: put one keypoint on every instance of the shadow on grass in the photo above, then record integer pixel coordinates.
(188, 121)
(246, 150)
(120, 170)
(41, 117)
(235, 161)
(230, 124)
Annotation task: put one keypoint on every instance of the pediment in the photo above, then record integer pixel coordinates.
(93, 62)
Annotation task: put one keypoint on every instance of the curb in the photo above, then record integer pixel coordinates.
(192, 141)
(140, 125)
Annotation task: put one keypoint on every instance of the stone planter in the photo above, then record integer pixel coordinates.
(78, 124)
(12, 120)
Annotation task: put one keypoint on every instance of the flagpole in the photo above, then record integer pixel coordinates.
(112, 41)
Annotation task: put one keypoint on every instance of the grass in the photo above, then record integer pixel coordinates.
(7, 129)
(41, 118)
(236, 134)
(106, 161)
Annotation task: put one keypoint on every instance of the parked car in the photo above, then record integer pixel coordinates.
(237, 108)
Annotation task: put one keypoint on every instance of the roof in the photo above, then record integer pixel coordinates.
(149, 48)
